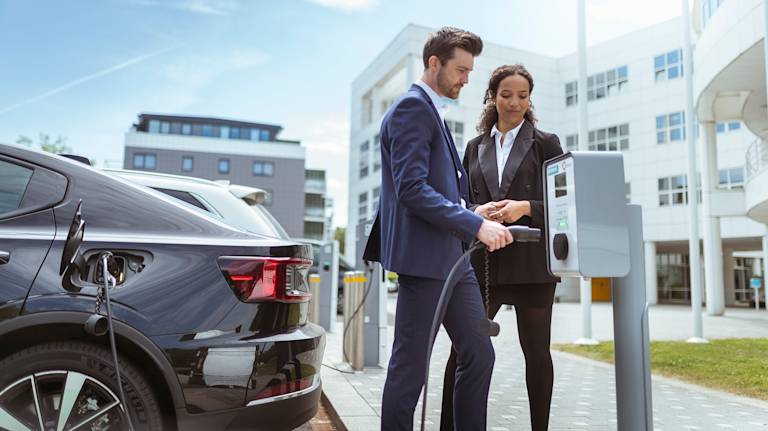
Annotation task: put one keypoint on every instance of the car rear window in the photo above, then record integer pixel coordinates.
(183, 196)
(13, 183)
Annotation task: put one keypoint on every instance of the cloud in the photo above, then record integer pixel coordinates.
(83, 80)
(347, 5)
(202, 7)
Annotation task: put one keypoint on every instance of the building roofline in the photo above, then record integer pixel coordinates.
(217, 120)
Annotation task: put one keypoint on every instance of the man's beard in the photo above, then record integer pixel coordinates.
(445, 86)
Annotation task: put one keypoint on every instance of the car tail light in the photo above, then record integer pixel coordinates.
(265, 279)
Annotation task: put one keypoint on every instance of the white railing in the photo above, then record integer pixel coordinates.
(756, 158)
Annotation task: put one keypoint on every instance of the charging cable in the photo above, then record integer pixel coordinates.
(109, 279)
(520, 234)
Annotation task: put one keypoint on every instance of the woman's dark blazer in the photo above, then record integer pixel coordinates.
(518, 263)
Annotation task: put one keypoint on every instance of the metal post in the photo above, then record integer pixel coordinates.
(585, 286)
(314, 305)
(630, 333)
(358, 337)
(694, 259)
(349, 279)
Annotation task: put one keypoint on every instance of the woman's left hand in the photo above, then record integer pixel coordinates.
(509, 211)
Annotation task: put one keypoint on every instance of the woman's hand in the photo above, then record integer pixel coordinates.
(485, 210)
(509, 211)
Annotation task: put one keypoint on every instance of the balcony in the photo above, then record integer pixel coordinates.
(756, 186)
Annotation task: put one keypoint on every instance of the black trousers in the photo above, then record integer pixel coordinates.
(533, 307)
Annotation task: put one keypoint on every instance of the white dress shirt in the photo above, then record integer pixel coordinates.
(503, 149)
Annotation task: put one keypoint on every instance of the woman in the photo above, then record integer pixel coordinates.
(504, 165)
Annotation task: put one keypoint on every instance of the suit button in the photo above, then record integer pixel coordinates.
(527, 187)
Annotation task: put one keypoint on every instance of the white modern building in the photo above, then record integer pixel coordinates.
(636, 105)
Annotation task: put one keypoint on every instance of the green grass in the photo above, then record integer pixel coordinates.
(739, 365)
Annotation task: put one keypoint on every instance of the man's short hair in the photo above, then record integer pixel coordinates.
(443, 43)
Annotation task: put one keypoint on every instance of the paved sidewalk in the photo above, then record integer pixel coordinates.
(584, 393)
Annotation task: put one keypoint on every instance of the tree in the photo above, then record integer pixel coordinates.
(339, 235)
(45, 143)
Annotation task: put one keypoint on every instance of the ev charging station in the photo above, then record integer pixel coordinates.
(592, 232)
(375, 308)
(328, 269)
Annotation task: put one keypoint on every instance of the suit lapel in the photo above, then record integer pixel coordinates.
(487, 157)
(444, 128)
(523, 143)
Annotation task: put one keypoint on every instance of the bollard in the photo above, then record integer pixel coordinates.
(353, 342)
(314, 304)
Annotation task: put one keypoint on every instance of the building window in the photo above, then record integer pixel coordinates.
(376, 153)
(668, 65)
(457, 131)
(364, 153)
(224, 132)
(154, 126)
(362, 207)
(234, 133)
(187, 163)
(571, 96)
(223, 166)
(732, 178)
(186, 129)
(571, 142)
(265, 135)
(674, 190)
(263, 169)
(614, 138)
(255, 134)
(146, 161)
(197, 129)
(730, 126)
(176, 128)
(672, 274)
(600, 85)
(207, 130)
(670, 127)
(165, 127)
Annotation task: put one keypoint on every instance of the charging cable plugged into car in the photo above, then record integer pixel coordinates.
(97, 324)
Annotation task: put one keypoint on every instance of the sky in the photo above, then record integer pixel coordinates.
(84, 69)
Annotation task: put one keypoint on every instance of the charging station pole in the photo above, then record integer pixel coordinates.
(375, 308)
(630, 334)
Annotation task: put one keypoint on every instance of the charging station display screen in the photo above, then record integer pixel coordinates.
(561, 185)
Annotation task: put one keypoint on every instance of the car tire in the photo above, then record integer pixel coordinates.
(73, 364)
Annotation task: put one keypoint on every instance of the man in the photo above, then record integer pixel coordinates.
(422, 228)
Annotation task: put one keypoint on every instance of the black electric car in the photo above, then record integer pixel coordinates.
(210, 321)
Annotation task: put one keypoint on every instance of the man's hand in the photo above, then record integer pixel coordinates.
(509, 211)
(494, 235)
(485, 210)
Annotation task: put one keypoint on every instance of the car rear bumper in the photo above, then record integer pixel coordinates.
(273, 415)
(245, 370)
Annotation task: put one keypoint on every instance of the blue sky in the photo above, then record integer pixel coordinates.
(85, 69)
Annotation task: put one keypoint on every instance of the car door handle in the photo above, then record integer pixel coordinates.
(5, 257)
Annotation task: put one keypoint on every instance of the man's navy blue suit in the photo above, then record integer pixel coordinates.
(421, 229)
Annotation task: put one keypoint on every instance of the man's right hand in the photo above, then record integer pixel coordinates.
(494, 235)
(486, 209)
